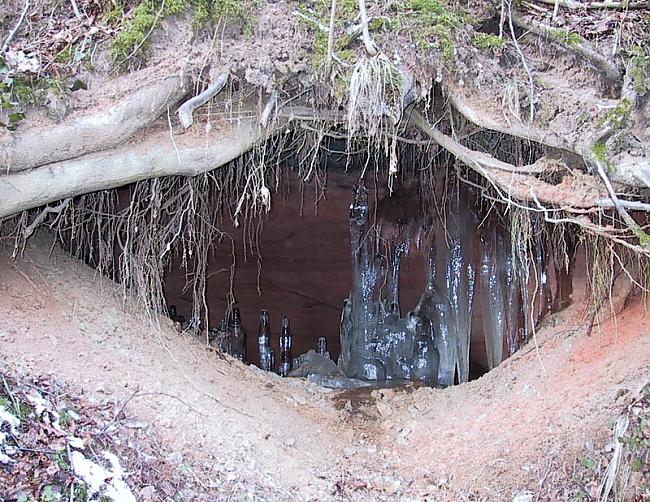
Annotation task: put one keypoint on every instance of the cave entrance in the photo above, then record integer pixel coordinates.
(494, 271)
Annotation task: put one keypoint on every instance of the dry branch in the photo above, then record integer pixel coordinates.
(11, 35)
(90, 134)
(121, 166)
(186, 110)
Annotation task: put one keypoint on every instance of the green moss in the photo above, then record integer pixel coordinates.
(487, 41)
(618, 116)
(23, 93)
(600, 151)
(66, 55)
(433, 24)
(566, 37)
(644, 238)
(639, 69)
(133, 37)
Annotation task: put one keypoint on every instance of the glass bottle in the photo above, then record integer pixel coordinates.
(322, 346)
(285, 348)
(263, 342)
(237, 335)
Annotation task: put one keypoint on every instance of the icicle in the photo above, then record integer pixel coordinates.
(492, 298)
(369, 269)
(513, 294)
(460, 279)
(543, 289)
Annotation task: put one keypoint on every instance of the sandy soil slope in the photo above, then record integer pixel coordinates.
(519, 430)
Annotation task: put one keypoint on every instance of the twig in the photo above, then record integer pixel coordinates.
(321, 27)
(330, 40)
(531, 98)
(75, 9)
(16, 28)
(41, 217)
(367, 40)
(630, 204)
(186, 110)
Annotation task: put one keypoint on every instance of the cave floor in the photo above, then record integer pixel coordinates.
(524, 429)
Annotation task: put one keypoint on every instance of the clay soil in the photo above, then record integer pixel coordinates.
(523, 430)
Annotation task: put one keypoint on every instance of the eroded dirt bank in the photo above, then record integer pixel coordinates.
(526, 428)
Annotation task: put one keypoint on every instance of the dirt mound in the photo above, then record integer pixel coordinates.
(540, 425)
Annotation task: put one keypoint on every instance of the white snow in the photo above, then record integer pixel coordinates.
(100, 480)
(7, 417)
(75, 442)
(6, 450)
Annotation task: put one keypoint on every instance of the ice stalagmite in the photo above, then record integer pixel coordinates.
(364, 301)
(435, 306)
(492, 296)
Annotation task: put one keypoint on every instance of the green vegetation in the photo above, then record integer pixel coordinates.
(566, 37)
(600, 151)
(487, 41)
(618, 116)
(432, 23)
(639, 69)
(133, 37)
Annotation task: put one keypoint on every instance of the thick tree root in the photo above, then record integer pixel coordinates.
(121, 166)
(514, 182)
(527, 132)
(90, 134)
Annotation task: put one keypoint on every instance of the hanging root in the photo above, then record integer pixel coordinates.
(375, 93)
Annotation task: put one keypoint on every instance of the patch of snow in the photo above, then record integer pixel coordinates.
(101, 480)
(75, 442)
(41, 406)
(4, 459)
(6, 417)
(5, 449)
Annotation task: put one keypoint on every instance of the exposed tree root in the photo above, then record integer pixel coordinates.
(512, 181)
(91, 134)
(527, 132)
(121, 166)
(186, 110)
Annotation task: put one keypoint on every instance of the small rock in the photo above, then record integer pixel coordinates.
(384, 409)
(524, 496)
